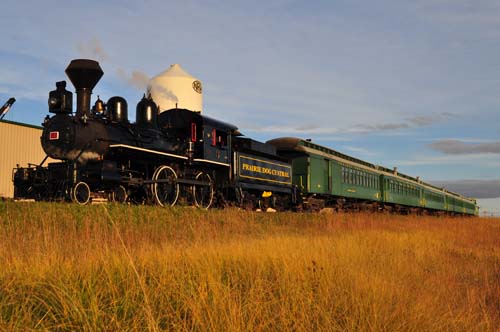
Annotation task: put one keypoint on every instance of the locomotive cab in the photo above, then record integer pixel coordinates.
(216, 140)
(205, 138)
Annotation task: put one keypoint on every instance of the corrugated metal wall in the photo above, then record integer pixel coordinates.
(19, 144)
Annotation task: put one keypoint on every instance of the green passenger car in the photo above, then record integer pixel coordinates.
(401, 191)
(323, 174)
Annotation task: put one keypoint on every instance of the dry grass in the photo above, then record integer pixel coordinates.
(116, 268)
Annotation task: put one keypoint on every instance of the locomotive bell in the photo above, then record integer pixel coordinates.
(98, 106)
(84, 74)
(146, 113)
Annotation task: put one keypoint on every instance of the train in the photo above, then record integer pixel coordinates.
(181, 156)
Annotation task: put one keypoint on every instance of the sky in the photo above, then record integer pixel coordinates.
(413, 84)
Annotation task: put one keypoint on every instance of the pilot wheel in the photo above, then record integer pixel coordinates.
(81, 193)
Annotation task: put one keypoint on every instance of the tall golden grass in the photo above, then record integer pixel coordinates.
(119, 268)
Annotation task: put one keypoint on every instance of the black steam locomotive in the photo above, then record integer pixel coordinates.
(177, 156)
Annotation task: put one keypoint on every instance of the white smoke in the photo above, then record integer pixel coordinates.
(156, 89)
(93, 49)
(137, 79)
(142, 82)
(83, 157)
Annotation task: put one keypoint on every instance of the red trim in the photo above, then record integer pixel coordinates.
(214, 137)
(193, 132)
(53, 135)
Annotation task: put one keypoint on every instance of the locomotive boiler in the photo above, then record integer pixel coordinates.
(88, 134)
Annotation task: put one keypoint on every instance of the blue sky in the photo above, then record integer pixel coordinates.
(413, 84)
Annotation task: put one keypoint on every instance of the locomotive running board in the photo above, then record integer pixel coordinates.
(147, 150)
(210, 162)
(180, 181)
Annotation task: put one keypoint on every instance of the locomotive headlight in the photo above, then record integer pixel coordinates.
(60, 100)
(54, 102)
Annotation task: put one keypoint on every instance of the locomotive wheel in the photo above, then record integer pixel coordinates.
(165, 189)
(81, 193)
(203, 195)
(119, 195)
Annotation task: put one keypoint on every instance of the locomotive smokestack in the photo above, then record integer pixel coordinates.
(84, 74)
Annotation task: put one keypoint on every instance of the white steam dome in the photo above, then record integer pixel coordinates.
(175, 88)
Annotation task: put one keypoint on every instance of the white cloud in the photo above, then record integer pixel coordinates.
(470, 159)
(463, 12)
(461, 139)
(456, 147)
(473, 188)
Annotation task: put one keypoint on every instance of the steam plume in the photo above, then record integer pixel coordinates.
(93, 49)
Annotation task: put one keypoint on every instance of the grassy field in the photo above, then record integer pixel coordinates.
(118, 268)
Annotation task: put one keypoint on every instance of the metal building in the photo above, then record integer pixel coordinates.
(20, 145)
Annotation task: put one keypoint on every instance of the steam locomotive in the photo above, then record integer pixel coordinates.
(177, 156)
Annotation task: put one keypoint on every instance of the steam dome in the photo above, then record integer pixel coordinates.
(175, 88)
